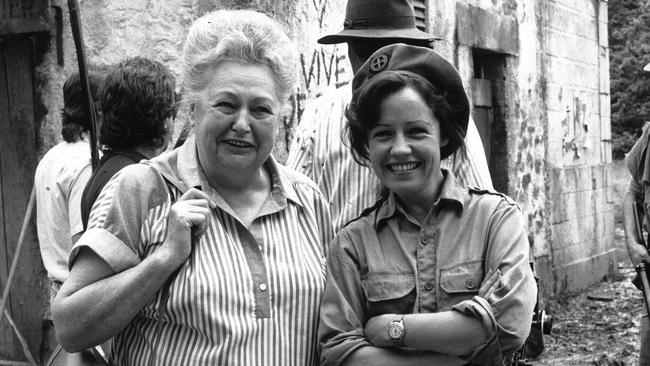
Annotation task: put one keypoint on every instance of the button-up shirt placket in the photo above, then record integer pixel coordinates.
(251, 240)
(426, 263)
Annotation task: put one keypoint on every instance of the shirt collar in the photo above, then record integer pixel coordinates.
(191, 173)
(451, 195)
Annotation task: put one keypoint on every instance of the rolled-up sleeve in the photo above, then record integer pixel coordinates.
(507, 296)
(118, 222)
(342, 314)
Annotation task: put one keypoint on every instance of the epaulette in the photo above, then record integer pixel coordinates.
(367, 211)
(505, 197)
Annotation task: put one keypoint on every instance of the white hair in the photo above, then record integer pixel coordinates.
(237, 34)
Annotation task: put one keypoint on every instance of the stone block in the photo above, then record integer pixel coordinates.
(573, 73)
(603, 40)
(605, 112)
(480, 28)
(574, 47)
(572, 21)
(578, 275)
(583, 8)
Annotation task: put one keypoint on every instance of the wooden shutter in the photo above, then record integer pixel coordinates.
(420, 8)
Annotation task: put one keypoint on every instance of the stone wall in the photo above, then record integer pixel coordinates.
(557, 123)
(555, 95)
(114, 30)
(576, 68)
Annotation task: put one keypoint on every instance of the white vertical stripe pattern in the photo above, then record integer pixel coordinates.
(210, 316)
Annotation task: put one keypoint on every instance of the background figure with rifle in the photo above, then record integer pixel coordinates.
(60, 179)
(138, 106)
(638, 199)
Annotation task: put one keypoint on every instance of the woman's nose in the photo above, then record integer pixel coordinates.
(400, 146)
(241, 122)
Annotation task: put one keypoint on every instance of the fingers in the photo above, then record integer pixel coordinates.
(639, 254)
(194, 194)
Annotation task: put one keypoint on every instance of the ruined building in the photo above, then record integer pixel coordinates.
(536, 72)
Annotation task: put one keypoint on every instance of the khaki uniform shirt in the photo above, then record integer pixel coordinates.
(471, 256)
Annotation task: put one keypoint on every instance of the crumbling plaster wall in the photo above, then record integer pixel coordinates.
(558, 127)
(114, 30)
(557, 94)
(576, 68)
(510, 28)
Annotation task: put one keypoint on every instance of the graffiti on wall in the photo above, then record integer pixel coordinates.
(319, 68)
(576, 129)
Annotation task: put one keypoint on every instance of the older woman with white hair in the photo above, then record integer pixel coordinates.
(212, 254)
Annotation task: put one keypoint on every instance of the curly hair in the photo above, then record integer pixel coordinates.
(363, 111)
(237, 34)
(74, 116)
(136, 99)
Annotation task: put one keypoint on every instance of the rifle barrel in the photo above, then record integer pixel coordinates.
(75, 23)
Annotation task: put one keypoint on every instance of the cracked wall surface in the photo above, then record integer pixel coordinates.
(555, 92)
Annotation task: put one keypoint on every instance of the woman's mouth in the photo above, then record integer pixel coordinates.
(238, 143)
(403, 167)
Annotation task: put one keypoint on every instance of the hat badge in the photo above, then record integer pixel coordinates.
(378, 62)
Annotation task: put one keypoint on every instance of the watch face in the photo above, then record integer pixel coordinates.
(395, 330)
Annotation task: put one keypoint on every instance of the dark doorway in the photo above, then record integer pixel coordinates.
(489, 99)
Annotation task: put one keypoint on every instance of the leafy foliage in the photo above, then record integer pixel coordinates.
(629, 44)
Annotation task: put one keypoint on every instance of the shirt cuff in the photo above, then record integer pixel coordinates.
(108, 247)
(488, 353)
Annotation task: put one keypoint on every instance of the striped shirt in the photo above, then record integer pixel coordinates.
(245, 296)
(321, 151)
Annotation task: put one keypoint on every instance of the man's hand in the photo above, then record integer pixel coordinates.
(188, 219)
(638, 253)
(376, 330)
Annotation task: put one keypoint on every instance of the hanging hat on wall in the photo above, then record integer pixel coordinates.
(378, 19)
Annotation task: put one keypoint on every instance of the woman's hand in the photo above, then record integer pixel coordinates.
(188, 220)
(376, 330)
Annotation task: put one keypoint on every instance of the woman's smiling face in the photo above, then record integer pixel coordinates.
(404, 146)
(236, 118)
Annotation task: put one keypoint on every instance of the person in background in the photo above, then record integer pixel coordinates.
(639, 166)
(434, 273)
(138, 105)
(318, 149)
(59, 181)
(212, 253)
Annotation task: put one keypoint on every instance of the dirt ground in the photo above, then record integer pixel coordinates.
(599, 332)
(596, 332)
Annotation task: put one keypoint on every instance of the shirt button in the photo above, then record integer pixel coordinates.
(469, 283)
(428, 286)
(425, 240)
(262, 287)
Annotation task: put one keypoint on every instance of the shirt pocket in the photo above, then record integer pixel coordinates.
(389, 293)
(460, 282)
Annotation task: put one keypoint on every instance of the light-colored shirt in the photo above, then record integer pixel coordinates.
(60, 178)
(471, 256)
(245, 296)
(321, 151)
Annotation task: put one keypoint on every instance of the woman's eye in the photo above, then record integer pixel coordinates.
(262, 111)
(225, 107)
(381, 134)
(418, 131)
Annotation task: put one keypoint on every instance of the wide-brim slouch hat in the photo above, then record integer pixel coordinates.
(378, 19)
(431, 66)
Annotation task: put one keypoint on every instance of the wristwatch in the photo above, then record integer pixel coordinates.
(396, 331)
